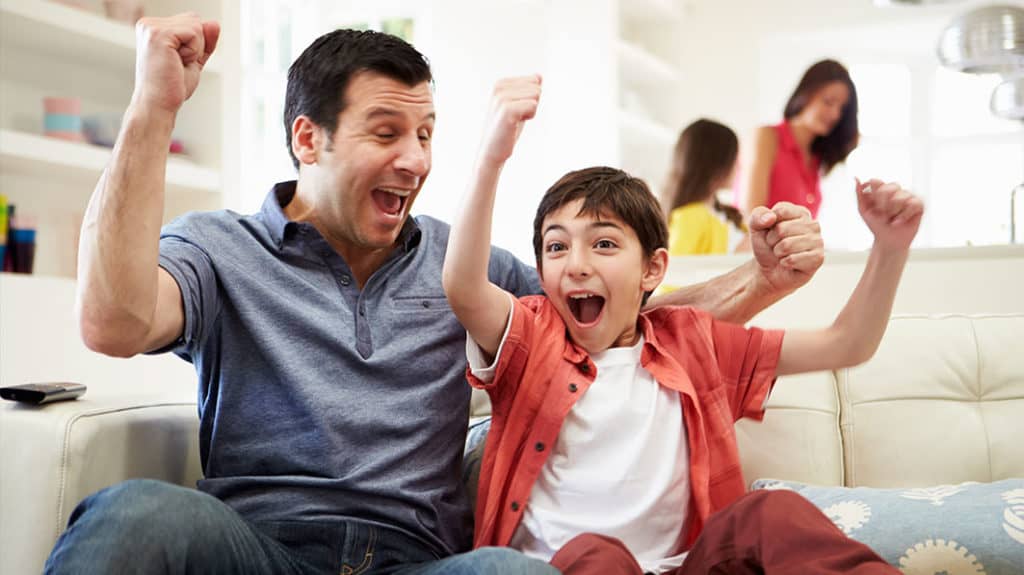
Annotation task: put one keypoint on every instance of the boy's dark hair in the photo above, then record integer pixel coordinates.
(833, 148)
(605, 190)
(318, 78)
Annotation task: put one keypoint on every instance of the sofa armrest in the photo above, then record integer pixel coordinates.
(56, 455)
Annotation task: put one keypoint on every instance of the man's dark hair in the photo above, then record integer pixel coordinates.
(605, 191)
(318, 78)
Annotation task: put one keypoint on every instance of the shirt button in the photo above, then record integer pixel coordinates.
(572, 388)
(539, 446)
(515, 506)
(345, 280)
(362, 310)
(425, 303)
(585, 367)
(810, 198)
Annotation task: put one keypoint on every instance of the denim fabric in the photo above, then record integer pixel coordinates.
(145, 526)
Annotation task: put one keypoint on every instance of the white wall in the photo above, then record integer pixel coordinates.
(473, 44)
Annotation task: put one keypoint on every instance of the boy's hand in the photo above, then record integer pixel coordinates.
(513, 103)
(787, 245)
(892, 214)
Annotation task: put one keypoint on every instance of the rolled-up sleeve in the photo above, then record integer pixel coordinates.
(747, 359)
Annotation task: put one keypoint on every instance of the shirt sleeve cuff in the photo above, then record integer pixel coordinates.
(478, 365)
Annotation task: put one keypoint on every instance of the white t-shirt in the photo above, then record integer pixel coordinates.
(620, 467)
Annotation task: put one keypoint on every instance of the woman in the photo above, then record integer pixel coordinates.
(818, 132)
(703, 163)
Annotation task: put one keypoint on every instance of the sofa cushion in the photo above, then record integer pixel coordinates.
(57, 454)
(966, 528)
(940, 402)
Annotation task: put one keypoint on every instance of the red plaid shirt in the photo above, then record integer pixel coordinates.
(722, 371)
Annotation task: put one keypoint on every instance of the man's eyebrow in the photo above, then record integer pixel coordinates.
(383, 111)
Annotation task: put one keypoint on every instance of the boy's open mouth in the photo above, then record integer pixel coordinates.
(586, 307)
(390, 200)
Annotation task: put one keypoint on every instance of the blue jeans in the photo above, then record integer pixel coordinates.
(146, 526)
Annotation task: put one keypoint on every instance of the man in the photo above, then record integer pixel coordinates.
(332, 398)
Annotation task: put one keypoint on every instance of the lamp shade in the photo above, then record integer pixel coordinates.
(1008, 99)
(985, 40)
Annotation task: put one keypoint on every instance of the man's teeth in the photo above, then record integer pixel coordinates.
(397, 192)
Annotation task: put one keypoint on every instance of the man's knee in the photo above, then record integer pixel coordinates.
(142, 503)
(505, 561)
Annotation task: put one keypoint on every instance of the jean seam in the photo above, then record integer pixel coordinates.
(367, 556)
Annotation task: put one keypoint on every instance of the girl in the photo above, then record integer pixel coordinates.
(703, 163)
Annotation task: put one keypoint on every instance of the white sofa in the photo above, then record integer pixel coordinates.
(940, 403)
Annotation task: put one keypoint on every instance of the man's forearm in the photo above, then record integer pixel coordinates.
(119, 246)
(736, 296)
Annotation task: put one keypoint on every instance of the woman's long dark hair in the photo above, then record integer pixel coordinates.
(833, 148)
(705, 153)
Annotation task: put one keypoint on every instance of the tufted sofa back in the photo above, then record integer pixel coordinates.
(941, 402)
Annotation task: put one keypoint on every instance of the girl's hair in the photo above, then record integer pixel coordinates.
(705, 153)
(833, 148)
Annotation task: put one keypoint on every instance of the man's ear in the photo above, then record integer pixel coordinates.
(307, 140)
(655, 270)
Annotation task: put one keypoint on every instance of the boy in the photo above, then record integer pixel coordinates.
(617, 422)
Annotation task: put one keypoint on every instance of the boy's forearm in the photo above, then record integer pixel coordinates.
(735, 297)
(860, 325)
(469, 245)
(482, 307)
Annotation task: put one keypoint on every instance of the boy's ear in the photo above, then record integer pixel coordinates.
(306, 140)
(654, 273)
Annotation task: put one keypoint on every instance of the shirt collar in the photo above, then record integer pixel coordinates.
(280, 226)
(272, 212)
(579, 356)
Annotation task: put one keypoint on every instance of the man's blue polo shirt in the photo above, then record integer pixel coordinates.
(319, 401)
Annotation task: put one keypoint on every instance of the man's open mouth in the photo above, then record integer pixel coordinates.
(586, 307)
(391, 201)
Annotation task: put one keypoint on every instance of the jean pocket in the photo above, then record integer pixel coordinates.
(352, 563)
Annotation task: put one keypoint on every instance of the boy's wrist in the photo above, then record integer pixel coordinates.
(884, 249)
(889, 256)
(485, 162)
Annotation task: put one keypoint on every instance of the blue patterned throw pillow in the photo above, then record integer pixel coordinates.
(971, 528)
